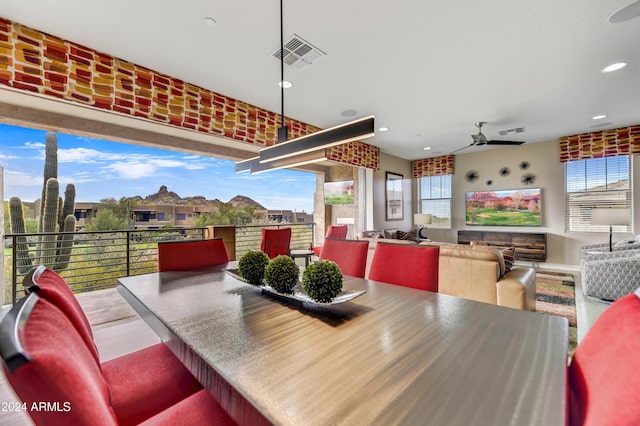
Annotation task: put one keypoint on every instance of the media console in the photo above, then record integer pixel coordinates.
(529, 246)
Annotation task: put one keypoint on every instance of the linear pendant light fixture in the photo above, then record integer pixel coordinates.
(254, 165)
(306, 149)
(358, 129)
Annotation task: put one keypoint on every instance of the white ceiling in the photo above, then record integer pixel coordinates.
(428, 70)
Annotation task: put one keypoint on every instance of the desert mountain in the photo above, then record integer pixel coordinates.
(242, 201)
(166, 197)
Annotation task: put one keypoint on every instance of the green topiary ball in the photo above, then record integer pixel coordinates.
(251, 266)
(282, 274)
(322, 280)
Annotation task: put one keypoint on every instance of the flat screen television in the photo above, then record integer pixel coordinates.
(338, 192)
(511, 207)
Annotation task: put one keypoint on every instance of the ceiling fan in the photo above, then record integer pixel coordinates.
(627, 13)
(481, 139)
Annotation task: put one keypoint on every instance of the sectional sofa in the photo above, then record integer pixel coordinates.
(476, 273)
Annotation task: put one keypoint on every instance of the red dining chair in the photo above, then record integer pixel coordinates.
(406, 265)
(604, 374)
(275, 241)
(185, 255)
(337, 232)
(142, 383)
(46, 361)
(350, 255)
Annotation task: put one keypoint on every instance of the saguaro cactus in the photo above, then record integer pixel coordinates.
(56, 215)
(21, 250)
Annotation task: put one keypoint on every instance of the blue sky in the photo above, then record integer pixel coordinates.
(103, 169)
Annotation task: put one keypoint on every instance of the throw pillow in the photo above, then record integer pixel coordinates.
(624, 243)
(509, 255)
(409, 236)
(391, 233)
(373, 234)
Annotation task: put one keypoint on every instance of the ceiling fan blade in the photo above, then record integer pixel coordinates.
(464, 147)
(626, 13)
(494, 142)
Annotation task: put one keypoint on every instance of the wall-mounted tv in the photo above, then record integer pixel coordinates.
(338, 192)
(511, 207)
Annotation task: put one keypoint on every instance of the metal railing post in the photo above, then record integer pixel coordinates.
(14, 270)
(128, 236)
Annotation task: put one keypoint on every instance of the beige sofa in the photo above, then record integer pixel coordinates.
(478, 273)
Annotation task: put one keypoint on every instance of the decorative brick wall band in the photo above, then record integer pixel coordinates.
(606, 143)
(433, 166)
(356, 154)
(36, 62)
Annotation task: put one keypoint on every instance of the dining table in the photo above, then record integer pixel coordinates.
(390, 355)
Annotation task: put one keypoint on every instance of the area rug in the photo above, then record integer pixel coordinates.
(555, 295)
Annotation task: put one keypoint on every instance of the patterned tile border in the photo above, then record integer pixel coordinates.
(433, 166)
(605, 143)
(36, 62)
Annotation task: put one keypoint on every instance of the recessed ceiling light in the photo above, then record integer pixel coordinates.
(285, 84)
(427, 148)
(599, 117)
(615, 67)
(348, 113)
(209, 21)
(383, 129)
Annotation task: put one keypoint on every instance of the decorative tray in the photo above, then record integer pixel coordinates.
(299, 294)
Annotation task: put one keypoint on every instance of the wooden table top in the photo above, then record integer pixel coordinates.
(394, 355)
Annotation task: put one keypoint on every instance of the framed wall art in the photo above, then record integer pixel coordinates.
(394, 196)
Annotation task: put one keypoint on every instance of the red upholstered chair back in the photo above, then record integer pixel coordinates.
(185, 255)
(350, 255)
(275, 241)
(46, 361)
(406, 265)
(53, 288)
(337, 232)
(604, 375)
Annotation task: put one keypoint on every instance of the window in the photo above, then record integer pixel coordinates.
(181, 216)
(597, 182)
(435, 199)
(160, 216)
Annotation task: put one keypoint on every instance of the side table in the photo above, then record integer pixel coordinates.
(295, 254)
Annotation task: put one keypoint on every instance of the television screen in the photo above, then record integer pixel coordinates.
(513, 207)
(338, 192)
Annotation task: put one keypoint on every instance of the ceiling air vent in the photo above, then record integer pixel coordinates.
(298, 53)
(512, 131)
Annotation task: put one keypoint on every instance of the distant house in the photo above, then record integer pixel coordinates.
(157, 216)
(289, 216)
(84, 212)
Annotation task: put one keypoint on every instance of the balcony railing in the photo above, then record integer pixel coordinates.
(99, 258)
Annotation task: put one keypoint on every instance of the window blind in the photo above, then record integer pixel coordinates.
(594, 183)
(435, 197)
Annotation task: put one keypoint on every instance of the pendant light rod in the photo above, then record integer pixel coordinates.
(282, 132)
